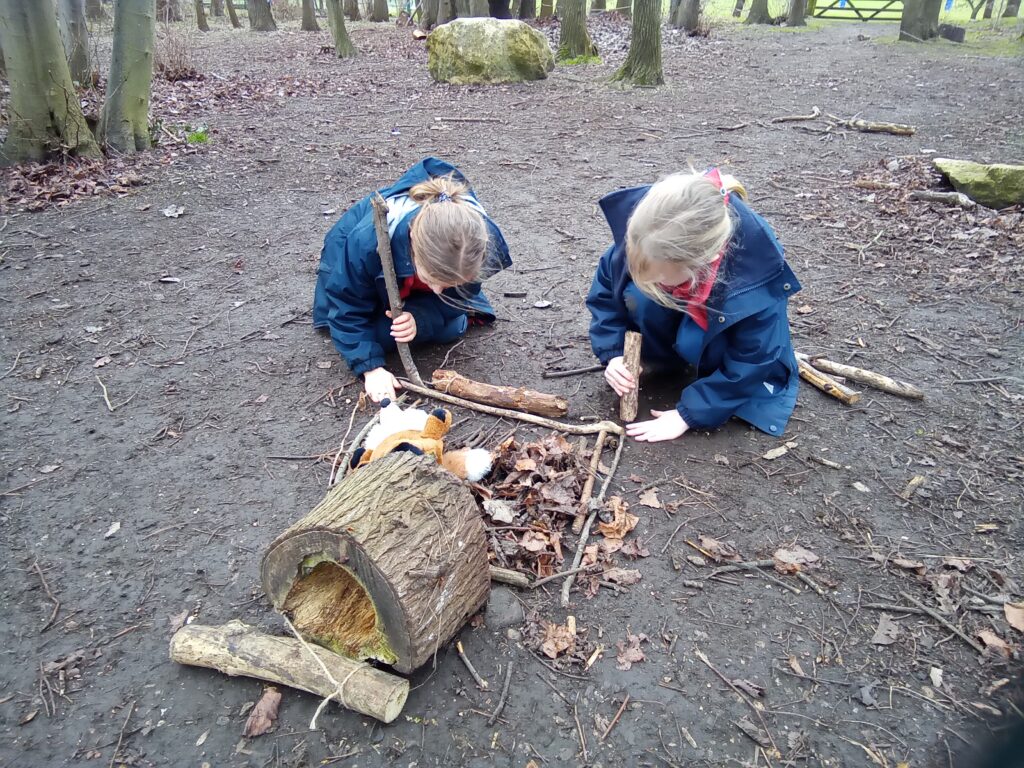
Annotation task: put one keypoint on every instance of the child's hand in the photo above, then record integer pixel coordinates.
(618, 376)
(379, 383)
(667, 425)
(403, 330)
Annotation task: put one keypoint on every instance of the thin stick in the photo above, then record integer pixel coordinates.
(571, 372)
(815, 113)
(944, 622)
(741, 567)
(864, 376)
(120, 738)
(341, 445)
(56, 602)
(700, 655)
(588, 486)
(481, 683)
(560, 574)
(571, 429)
(579, 729)
(827, 384)
(380, 224)
(10, 370)
(106, 397)
(359, 439)
(615, 719)
(504, 694)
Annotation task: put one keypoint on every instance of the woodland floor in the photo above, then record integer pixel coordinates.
(196, 327)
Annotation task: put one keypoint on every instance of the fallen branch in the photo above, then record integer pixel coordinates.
(868, 126)
(572, 429)
(944, 622)
(948, 198)
(480, 682)
(757, 710)
(827, 384)
(515, 398)
(571, 372)
(630, 402)
(504, 694)
(588, 485)
(615, 719)
(56, 602)
(864, 376)
(815, 113)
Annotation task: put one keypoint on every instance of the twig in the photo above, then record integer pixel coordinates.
(588, 485)
(10, 370)
(810, 583)
(504, 694)
(741, 567)
(359, 439)
(380, 224)
(615, 719)
(113, 757)
(560, 574)
(106, 396)
(944, 622)
(481, 683)
(56, 602)
(571, 429)
(571, 372)
(815, 113)
(579, 729)
(700, 655)
(341, 445)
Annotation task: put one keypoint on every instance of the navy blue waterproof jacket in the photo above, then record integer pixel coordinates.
(350, 290)
(744, 361)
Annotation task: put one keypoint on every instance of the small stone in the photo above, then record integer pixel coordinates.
(223, 720)
(514, 635)
(503, 610)
(993, 352)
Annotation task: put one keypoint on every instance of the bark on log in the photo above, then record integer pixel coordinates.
(238, 649)
(516, 398)
(630, 401)
(863, 376)
(388, 566)
(508, 576)
(827, 384)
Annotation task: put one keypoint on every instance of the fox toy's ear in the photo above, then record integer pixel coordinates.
(408, 447)
(357, 457)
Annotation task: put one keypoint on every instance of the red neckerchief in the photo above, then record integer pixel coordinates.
(411, 284)
(695, 297)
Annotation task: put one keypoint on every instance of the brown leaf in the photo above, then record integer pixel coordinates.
(962, 564)
(886, 632)
(910, 565)
(629, 651)
(29, 717)
(995, 644)
(624, 576)
(262, 717)
(526, 465)
(177, 621)
(1014, 615)
(634, 550)
(635, 479)
(943, 585)
(622, 523)
(794, 664)
(749, 688)
(649, 498)
(535, 541)
(719, 550)
(794, 559)
(756, 734)
(558, 639)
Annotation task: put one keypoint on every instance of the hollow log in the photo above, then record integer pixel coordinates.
(630, 402)
(238, 649)
(827, 384)
(516, 398)
(389, 566)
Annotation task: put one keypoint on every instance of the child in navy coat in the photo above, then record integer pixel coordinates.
(442, 243)
(703, 279)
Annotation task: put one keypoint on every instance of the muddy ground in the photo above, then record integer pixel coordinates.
(196, 327)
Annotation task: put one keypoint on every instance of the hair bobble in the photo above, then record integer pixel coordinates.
(444, 197)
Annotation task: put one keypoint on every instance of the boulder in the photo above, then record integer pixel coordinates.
(473, 51)
(994, 186)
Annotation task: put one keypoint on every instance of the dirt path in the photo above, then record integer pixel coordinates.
(195, 326)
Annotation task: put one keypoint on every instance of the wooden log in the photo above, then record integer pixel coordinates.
(516, 398)
(864, 376)
(389, 566)
(510, 577)
(588, 485)
(630, 402)
(238, 649)
(826, 383)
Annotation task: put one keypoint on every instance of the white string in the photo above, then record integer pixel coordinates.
(339, 688)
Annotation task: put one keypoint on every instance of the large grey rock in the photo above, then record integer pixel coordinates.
(994, 186)
(474, 51)
(503, 610)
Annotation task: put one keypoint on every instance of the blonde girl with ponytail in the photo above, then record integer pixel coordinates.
(443, 245)
(704, 280)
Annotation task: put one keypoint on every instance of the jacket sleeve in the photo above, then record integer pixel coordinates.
(609, 317)
(754, 364)
(351, 299)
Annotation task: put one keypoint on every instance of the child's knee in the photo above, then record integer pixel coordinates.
(452, 330)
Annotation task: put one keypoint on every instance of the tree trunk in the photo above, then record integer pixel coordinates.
(445, 11)
(217, 8)
(343, 47)
(597, 6)
(1012, 9)
(168, 10)
(738, 8)
(95, 11)
(574, 44)
(49, 114)
(124, 124)
(380, 11)
(232, 15)
(428, 15)
(527, 9)
(547, 9)
(687, 16)
(920, 20)
(796, 16)
(75, 34)
(624, 7)
(479, 8)
(643, 62)
(201, 17)
(261, 19)
(238, 649)
(499, 9)
(759, 13)
(389, 566)
(351, 10)
(309, 17)
(989, 5)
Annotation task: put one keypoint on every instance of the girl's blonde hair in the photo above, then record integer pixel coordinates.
(449, 237)
(684, 221)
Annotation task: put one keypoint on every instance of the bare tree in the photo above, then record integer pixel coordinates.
(124, 124)
(797, 14)
(379, 11)
(624, 7)
(44, 114)
(232, 15)
(574, 43)
(309, 17)
(217, 8)
(759, 13)
(74, 31)
(643, 62)
(343, 47)
(261, 19)
(95, 11)
(687, 16)
(428, 14)
(352, 10)
(597, 6)
(547, 9)
(479, 8)
(201, 17)
(920, 20)
(1012, 9)
(168, 10)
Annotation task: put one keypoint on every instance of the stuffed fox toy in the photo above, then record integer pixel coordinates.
(421, 433)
